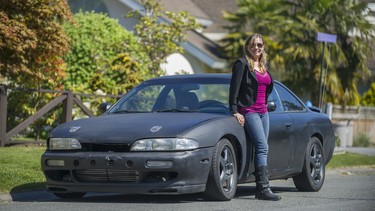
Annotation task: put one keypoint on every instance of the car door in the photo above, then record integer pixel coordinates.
(288, 130)
(281, 128)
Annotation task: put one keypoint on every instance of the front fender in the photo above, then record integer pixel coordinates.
(209, 133)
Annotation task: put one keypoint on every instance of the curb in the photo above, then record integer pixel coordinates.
(5, 197)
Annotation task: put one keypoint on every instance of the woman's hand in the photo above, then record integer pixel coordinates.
(240, 118)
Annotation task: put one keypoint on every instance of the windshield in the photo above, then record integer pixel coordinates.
(175, 97)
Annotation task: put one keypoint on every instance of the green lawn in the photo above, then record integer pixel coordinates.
(20, 168)
(350, 160)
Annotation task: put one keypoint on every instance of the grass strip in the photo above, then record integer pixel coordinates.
(348, 159)
(20, 168)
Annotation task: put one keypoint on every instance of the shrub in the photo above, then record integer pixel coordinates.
(362, 140)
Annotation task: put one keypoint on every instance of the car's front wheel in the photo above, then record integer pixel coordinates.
(313, 172)
(73, 195)
(222, 179)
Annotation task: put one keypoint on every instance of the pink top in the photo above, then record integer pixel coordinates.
(260, 105)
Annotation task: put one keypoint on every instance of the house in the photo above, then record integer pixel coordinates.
(201, 51)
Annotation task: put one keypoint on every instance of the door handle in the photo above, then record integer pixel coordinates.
(288, 124)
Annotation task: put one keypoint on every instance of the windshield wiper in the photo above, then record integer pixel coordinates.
(125, 111)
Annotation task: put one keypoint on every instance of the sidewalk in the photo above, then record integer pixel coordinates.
(360, 150)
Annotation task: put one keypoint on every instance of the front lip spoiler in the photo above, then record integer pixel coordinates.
(171, 190)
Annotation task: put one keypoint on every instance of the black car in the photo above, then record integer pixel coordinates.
(175, 135)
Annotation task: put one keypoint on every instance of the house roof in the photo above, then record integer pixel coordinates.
(207, 10)
(184, 5)
(205, 50)
(214, 10)
(210, 14)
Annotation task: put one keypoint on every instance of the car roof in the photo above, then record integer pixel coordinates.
(192, 77)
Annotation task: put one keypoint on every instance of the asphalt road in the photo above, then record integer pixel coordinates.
(344, 189)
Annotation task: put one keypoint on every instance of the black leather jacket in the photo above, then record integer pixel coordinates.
(244, 86)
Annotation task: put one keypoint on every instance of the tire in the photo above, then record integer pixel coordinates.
(222, 179)
(313, 172)
(73, 195)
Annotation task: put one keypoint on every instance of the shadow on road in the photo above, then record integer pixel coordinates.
(44, 196)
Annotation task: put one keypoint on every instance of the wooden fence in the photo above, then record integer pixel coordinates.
(66, 98)
(353, 121)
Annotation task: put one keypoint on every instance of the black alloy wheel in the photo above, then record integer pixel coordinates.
(313, 172)
(222, 179)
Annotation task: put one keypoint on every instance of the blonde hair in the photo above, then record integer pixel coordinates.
(263, 57)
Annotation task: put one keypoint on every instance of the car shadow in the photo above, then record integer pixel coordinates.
(45, 196)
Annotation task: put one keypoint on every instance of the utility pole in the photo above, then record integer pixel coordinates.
(325, 38)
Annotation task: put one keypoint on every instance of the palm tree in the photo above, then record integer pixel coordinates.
(252, 16)
(292, 28)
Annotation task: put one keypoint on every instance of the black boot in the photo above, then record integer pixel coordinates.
(263, 190)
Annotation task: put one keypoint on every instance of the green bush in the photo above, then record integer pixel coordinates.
(362, 140)
(95, 41)
(368, 98)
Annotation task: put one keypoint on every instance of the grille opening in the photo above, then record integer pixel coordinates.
(58, 175)
(165, 190)
(105, 147)
(111, 163)
(106, 175)
(159, 176)
(129, 163)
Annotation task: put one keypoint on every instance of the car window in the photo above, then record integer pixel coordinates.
(275, 98)
(176, 97)
(141, 101)
(218, 92)
(289, 102)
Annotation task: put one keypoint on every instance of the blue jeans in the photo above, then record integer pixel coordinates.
(257, 127)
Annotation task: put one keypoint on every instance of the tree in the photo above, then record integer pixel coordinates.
(33, 41)
(96, 41)
(292, 28)
(161, 32)
(345, 60)
(31, 49)
(104, 58)
(251, 17)
(368, 98)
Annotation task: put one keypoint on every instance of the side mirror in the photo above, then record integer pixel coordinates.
(315, 109)
(271, 106)
(104, 107)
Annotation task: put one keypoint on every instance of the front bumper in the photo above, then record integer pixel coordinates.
(127, 172)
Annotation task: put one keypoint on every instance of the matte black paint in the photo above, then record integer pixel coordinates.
(289, 135)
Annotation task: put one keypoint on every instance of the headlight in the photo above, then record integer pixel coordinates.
(63, 144)
(164, 144)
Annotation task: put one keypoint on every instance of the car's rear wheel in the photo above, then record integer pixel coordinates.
(73, 195)
(222, 179)
(313, 172)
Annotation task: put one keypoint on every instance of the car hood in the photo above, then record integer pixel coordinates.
(126, 128)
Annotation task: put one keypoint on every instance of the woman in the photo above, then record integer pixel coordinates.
(250, 86)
